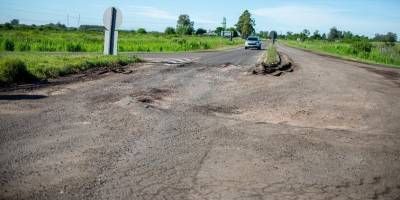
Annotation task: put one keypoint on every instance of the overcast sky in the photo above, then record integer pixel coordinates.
(359, 16)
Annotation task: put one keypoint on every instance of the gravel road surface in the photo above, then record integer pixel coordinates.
(200, 126)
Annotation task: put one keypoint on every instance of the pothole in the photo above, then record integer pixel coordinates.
(152, 96)
(210, 109)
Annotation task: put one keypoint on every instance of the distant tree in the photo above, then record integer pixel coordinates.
(169, 31)
(219, 30)
(141, 31)
(289, 35)
(201, 31)
(60, 26)
(306, 33)
(245, 25)
(263, 34)
(233, 30)
(8, 26)
(323, 36)
(184, 25)
(389, 38)
(91, 28)
(334, 34)
(14, 22)
(349, 37)
(316, 35)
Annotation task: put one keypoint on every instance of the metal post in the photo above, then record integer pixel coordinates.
(112, 31)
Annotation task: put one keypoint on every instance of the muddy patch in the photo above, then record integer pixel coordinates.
(151, 95)
(389, 74)
(212, 109)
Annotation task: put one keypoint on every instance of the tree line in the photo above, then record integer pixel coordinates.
(244, 27)
(335, 34)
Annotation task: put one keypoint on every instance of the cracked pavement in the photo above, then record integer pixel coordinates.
(206, 128)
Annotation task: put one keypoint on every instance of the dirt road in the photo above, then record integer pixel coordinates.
(199, 126)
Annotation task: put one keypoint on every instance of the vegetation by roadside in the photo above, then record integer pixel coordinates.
(271, 56)
(92, 41)
(24, 66)
(370, 52)
(381, 49)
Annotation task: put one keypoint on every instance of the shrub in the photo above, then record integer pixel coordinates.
(361, 47)
(14, 70)
(141, 31)
(201, 31)
(169, 31)
(9, 45)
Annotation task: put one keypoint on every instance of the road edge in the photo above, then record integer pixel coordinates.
(324, 54)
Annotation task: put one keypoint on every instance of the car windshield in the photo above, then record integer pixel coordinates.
(252, 39)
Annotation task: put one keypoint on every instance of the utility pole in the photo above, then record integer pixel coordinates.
(79, 20)
(67, 20)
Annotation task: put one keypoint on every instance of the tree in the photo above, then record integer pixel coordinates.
(290, 36)
(201, 31)
(316, 35)
(184, 25)
(334, 34)
(219, 30)
(8, 26)
(306, 33)
(389, 38)
(234, 32)
(263, 34)
(169, 31)
(14, 22)
(348, 35)
(245, 24)
(141, 31)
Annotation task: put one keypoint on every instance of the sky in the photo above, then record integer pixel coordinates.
(365, 17)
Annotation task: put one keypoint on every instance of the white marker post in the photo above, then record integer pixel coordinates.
(112, 20)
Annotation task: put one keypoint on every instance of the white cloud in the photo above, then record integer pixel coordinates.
(151, 12)
(320, 17)
(160, 14)
(204, 21)
(298, 15)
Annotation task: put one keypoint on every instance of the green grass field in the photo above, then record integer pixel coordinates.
(16, 66)
(379, 52)
(92, 41)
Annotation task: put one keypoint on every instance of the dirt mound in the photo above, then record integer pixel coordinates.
(284, 65)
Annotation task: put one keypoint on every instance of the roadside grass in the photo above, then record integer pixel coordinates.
(92, 41)
(376, 53)
(23, 66)
(271, 56)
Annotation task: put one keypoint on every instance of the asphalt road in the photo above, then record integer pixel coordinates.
(200, 126)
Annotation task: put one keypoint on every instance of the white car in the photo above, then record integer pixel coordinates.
(253, 42)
